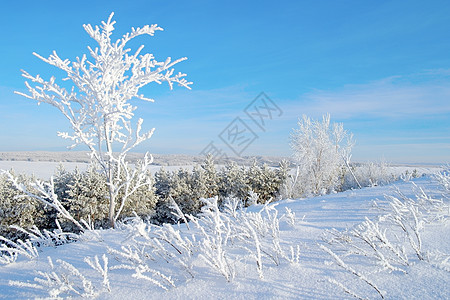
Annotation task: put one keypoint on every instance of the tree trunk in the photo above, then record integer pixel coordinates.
(112, 206)
(109, 178)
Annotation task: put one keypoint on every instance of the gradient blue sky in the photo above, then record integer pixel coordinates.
(380, 67)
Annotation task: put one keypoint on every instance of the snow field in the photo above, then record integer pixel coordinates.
(307, 279)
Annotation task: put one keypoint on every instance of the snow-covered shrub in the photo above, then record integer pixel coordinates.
(94, 263)
(10, 250)
(265, 181)
(19, 210)
(338, 260)
(211, 177)
(85, 196)
(33, 238)
(408, 175)
(253, 198)
(187, 188)
(223, 232)
(391, 243)
(374, 174)
(215, 232)
(233, 182)
(62, 179)
(321, 151)
(150, 244)
(47, 238)
(238, 182)
(64, 280)
(198, 183)
(178, 186)
(98, 106)
(443, 178)
(163, 187)
(183, 193)
(221, 238)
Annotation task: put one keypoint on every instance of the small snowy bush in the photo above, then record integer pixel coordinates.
(264, 181)
(187, 188)
(85, 196)
(391, 243)
(444, 179)
(10, 249)
(19, 210)
(374, 174)
(220, 238)
(233, 181)
(65, 280)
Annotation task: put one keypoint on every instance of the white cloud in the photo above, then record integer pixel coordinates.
(393, 97)
(437, 153)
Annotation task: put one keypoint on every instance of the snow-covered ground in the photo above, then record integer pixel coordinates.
(41, 169)
(44, 164)
(307, 279)
(45, 170)
(159, 159)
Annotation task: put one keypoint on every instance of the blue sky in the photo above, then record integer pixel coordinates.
(380, 67)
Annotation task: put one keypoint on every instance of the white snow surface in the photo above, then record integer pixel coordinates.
(309, 279)
(45, 169)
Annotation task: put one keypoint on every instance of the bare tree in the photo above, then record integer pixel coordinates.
(98, 106)
(321, 151)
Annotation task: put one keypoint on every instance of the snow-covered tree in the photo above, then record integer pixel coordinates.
(175, 187)
(87, 198)
(198, 183)
(375, 173)
(233, 182)
(62, 178)
(162, 183)
(98, 106)
(264, 181)
(212, 182)
(187, 189)
(182, 192)
(16, 210)
(321, 151)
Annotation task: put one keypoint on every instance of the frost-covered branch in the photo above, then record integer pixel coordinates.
(217, 236)
(10, 250)
(346, 267)
(61, 280)
(394, 240)
(95, 264)
(46, 194)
